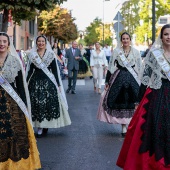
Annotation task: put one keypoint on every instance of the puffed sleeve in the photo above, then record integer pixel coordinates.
(108, 75)
(20, 87)
(54, 71)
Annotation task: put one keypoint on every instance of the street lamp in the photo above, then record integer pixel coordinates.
(103, 20)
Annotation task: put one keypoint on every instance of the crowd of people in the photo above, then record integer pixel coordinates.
(136, 96)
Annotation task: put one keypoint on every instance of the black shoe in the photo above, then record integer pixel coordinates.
(68, 90)
(123, 134)
(73, 92)
(45, 130)
(91, 77)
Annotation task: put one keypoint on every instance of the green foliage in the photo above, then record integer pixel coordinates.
(130, 14)
(94, 33)
(81, 41)
(137, 16)
(59, 24)
(26, 9)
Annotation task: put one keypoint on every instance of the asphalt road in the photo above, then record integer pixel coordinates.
(87, 144)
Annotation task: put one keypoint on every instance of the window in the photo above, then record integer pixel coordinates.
(31, 27)
(22, 43)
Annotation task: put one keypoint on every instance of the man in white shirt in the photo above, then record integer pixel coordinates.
(107, 52)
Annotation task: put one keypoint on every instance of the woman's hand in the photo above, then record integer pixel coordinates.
(92, 68)
(106, 87)
(136, 106)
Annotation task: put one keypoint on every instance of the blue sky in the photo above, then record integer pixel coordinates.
(85, 11)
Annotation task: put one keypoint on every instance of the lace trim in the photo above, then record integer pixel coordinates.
(152, 73)
(47, 58)
(11, 69)
(133, 59)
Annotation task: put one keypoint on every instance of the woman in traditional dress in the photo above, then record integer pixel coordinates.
(98, 63)
(117, 102)
(48, 100)
(147, 143)
(18, 149)
(84, 67)
(60, 62)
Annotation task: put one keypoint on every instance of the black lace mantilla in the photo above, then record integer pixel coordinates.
(156, 129)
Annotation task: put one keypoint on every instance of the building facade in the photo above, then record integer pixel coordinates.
(23, 35)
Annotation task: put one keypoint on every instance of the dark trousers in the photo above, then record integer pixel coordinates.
(72, 78)
(108, 58)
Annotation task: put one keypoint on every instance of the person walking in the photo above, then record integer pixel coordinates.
(60, 62)
(122, 83)
(98, 63)
(148, 135)
(107, 52)
(88, 54)
(73, 55)
(48, 100)
(18, 149)
(84, 67)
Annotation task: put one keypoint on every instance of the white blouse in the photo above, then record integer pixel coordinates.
(98, 59)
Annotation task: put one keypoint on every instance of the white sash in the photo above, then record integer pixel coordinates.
(162, 62)
(39, 63)
(128, 66)
(8, 88)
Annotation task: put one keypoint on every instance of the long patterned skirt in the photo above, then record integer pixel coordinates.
(117, 104)
(48, 110)
(147, 142)
(18, 150)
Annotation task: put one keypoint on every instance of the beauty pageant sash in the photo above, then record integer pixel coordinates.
(9, 89)
(128, 66)
(162, 62)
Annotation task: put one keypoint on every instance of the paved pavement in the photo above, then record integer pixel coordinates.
(87, 144)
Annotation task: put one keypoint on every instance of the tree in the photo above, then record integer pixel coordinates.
(94, 32)
(24, 9)
(130, 14)
(138, 19)
(58, 23)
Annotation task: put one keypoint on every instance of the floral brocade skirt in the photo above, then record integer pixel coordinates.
(147, 142)
(117, 104)
(18, 149)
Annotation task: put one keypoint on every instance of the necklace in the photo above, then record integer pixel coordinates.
(41, 54)
(126, 52)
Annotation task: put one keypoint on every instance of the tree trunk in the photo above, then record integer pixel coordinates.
(5, 21)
